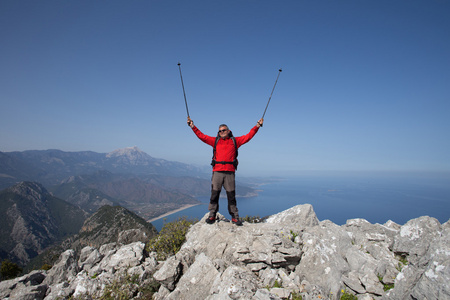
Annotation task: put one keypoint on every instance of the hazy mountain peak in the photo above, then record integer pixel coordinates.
(126, 151)
(131, 155)
(28, 188)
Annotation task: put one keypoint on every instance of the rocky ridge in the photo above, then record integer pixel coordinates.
(110, 224)
(31, 219)
(292, 254)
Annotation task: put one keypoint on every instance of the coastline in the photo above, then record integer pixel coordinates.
(172, 212)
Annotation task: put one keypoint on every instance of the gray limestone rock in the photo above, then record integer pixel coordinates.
(65, 269)
(353, 282)
(27, 286)
(291, 254)
(437, 271)
(169, 273)
(297, 217)
(236, 283)
(59, 291)
(132, 236)
(323, 261)
(197, 281)
(415, 238)
(127, 256)
(33, 292)
(89, 257)
(264, 294)
(427, 275)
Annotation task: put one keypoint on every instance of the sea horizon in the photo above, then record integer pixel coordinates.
(377, 197)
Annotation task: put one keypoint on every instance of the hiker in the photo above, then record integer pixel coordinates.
(224, 162)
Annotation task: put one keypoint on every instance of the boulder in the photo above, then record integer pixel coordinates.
(297, 217)
(323, 261)
(169, 273)
(89, 257)
(235, 283)
(29, 286)
(415, 238)
(132, 236)
(59, 291)
(427, 275)
(34, 292)
(126, 256)
(65, 269)
(197, 281)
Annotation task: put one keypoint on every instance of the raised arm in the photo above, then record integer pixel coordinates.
(203, 137)
(241, 140)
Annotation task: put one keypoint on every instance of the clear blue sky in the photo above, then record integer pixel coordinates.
(365, 84)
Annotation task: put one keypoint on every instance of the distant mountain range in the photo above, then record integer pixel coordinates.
(50, 167)
(128, 177)
(45, 195)
(125, 176)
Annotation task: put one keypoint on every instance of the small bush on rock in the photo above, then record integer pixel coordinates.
(171, 238)
(347, 296)
(251, 219)
(124, 288)
(128, 287)
(386, 286)
(295, 296)
(9, 270)
(46, 267)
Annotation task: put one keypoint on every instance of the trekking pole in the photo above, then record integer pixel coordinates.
(279, 71)
(184, 93)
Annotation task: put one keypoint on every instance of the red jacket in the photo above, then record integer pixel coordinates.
(225, 150)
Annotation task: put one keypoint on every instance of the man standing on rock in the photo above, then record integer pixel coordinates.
(224, 164)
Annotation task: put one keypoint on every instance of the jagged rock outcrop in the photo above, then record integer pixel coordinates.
(114, 224)
(89, 275)
(290, 254)
(110, 224)
(296, 252)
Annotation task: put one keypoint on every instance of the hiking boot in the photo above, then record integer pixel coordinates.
(210, 220)
(237, 222)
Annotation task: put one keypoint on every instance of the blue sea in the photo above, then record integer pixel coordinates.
(339, 196)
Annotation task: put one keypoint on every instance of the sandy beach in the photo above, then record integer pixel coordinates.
(172, 212)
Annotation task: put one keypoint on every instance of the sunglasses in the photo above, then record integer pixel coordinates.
(223, 130)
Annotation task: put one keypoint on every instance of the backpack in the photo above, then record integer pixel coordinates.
(235, 162)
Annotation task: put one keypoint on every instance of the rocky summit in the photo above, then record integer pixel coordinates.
(289, 256)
